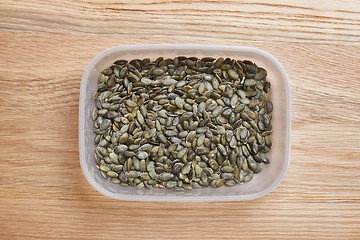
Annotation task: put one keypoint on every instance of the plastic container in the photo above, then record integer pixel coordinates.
(262, 183)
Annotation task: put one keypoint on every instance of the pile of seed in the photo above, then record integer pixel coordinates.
(182, 123)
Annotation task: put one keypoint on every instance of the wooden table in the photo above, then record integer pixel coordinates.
(44, 48)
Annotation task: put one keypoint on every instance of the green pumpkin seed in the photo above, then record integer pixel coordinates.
(227, 169)
(182, 123)
(165, 176)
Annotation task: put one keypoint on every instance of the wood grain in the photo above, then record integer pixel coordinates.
(45, 46)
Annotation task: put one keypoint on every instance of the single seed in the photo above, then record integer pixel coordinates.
(112, 174)
(169, 81)
(233, 74)
(227, 169)
(165, 176)
(201, 150)
(186, 169)
(142, 155)
(191, 136)
(104, 168)
(132, 174)
(123, 138)
(131, 103)
(222, 149)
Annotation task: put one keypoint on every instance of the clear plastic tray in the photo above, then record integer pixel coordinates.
(262, 183)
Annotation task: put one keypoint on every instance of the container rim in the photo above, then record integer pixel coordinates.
(81, 122)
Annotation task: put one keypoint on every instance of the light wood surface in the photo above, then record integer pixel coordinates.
(46, 45)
